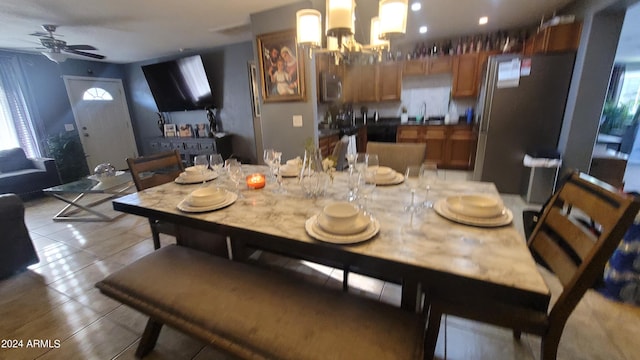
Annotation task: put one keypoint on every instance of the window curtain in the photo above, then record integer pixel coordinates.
(16, 125)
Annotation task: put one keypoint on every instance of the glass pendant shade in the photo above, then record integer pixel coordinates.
(375, 40)
(55, 56)
(393, 17)
(309, 27)
(340, 17)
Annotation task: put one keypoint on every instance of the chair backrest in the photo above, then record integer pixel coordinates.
(398, 155)
(573, 250)
(154, 170)
(340, 153)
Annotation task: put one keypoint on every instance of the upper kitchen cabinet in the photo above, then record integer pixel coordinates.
(390, 81)
(465, 75)
(371, 83)
(557, 38)
(427, 66)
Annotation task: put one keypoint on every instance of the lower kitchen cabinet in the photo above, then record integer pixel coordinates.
(326, 144)
(450, 146)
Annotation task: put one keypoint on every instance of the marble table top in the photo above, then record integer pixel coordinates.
(495, 256)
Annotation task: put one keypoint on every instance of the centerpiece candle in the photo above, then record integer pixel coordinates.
(255, 181)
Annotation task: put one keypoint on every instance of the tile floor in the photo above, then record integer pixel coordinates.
(55, 300)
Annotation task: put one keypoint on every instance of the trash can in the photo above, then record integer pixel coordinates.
(542, 167)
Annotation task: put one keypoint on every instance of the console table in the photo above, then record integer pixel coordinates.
(190, 147)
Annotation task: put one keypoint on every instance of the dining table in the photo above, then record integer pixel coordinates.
(423, 251)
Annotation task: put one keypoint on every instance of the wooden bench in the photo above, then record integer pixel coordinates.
(256, 313)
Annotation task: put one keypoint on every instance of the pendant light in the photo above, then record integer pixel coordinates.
(375, 41)
(309, 27)
(393, 17)
(340, 18)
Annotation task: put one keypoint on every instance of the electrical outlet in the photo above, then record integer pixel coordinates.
(68, 127)
(297, 120)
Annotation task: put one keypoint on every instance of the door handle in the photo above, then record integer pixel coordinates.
(86, 135)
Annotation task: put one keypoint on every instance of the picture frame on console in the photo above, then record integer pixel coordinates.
(186, 131)
(170, 130)
(281, 67)
(201, 130)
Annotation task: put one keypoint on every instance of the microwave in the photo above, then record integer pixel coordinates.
(330, 87)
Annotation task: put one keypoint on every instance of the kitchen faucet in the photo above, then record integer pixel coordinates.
(423, 112)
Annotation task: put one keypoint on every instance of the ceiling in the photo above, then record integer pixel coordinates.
(129, 30)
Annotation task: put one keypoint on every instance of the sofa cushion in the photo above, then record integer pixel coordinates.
(14, 159)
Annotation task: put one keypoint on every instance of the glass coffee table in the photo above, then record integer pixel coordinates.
(71, 193)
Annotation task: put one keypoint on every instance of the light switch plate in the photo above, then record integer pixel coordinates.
(68, 127)
(297, 120)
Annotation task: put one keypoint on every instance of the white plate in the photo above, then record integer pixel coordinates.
(290, 173)
(475, 206)
(443, 210)
(230, 199)
(395, 181)
(208, 176)
(311, 225)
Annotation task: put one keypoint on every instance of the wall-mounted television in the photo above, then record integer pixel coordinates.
(178, 85)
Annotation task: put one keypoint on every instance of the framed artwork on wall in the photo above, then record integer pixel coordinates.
(281, 69)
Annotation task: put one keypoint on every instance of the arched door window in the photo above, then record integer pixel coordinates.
(97, 94)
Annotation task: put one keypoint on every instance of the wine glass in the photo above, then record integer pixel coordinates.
(412, 181)
(353, 183)
(372, 162)
(216, 162)
(361, 162)
(277, 159)
(351, 160)
(201, 163)
(367, 186)
(429, 176)
(268, 156)
(234, 168)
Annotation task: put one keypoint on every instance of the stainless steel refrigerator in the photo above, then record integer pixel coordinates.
(519, 114)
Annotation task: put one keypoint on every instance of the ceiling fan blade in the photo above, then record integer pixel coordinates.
(80, 47)
(95, 56)
(39, 34)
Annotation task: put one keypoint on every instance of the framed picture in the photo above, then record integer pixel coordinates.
(170, 130)
(253, 85)
(281, 67)
(185, 130)
(201, 130)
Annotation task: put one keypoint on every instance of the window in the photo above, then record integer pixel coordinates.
(97, 94)
(630, 90)
(16, 126)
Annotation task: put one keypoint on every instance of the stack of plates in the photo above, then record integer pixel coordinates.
(476, 209)
(195, 177)
(207, 199)
(289, 170)
(342, 223)
(388, 176)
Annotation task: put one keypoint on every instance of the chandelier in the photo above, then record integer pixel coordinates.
(391, 22)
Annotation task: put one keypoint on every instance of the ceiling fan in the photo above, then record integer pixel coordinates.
(56, 46)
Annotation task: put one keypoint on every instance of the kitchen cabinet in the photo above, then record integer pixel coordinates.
(389, 82)
(450, 146)
(465, 75)
(428, 66)
(372, 83)
(361, 140)
(557, 38)
(326, 143)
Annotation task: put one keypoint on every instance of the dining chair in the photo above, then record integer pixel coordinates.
(398, 155)
(574, 252)
(154, 170)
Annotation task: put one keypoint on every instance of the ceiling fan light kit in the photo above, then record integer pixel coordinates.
(56, 47)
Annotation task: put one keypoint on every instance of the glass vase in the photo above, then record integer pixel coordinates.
(313, 179)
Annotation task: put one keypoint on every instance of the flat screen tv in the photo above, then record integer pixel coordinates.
(179, 85)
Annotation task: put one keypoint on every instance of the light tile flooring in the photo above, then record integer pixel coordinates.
(56, 300)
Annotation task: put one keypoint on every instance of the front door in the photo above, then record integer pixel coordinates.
(102, 117)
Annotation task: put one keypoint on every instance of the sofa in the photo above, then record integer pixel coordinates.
(16, 249)
(26, 177)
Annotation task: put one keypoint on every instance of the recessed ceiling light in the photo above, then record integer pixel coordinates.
(416, 6)
(423, 29)
(483, 20)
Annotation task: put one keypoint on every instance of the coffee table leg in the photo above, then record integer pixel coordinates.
(64, 214)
